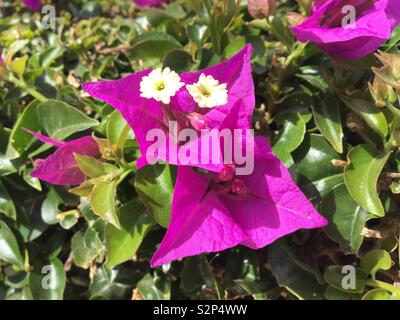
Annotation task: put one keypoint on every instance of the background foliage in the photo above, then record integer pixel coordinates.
(318, 113)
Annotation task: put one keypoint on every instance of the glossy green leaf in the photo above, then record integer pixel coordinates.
(151, 289)
(369, 113)
(282, 32)
(377, 294)
(332, 293)
(327, 118)
(155, 186)
(375, 260)
(49, 208)
(361, 177)
(28, 119)
(112, 284)
(289, 275)
(18, 65)
(9, 250)
(343, 279)
(292, 134)
(315, 152)
(346, 218)
(196, 276)
(47, 280)
(92, 167)
(118, 129)
(60, 120)
(102, 199)
(6, 203)
(123, 243)
(153, 44)
(81, 254)
(178, 60)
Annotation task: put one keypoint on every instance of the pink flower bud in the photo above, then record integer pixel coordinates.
(239, 188)
(227, 173)
(38, 162)
(260, 9)
(198, 121)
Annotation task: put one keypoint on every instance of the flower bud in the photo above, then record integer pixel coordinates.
(239, 188)
(227, 173)
(381, 92)
(295, 19)
(220, 7)
(388, 75)
(198, 121)
(390, 72)
(260, 9)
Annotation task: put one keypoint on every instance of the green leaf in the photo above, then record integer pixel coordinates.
(18, 65)
(60, 120)
(282, 32)
(313, 76)
(49, 209)
(346, 219)
(327, 119)
(68, 219)
(375, 260)
(92, 167)
(28, 119)
(197, 32)
(81, 254)
(102, 199)
(292, 134)
(315, 152)
(9, 250)
(377, 294)
(30, 223)
(196, 276)
(299, 282)
(178, 60)
(338, 277)
(332, 293)
(118, 130)
(369, 113)
(233, 47)
(123, 243)
(151, 289)
(6, 203)
(114, 283)
(361, 177)
(47, 280)
(153, 44)
(155, 186)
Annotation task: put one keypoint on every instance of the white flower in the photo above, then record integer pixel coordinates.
(161, 85)
(208, 92)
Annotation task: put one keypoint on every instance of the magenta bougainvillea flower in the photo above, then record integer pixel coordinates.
(374, 21)
(61, 168)
(151, 99)
(213, 212)
(34, 5)
(150, 3)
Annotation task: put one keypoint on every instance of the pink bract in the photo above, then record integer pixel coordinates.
(61, 168)
(375, 20)
(33, 5)
(144, 114)
(207, 220)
